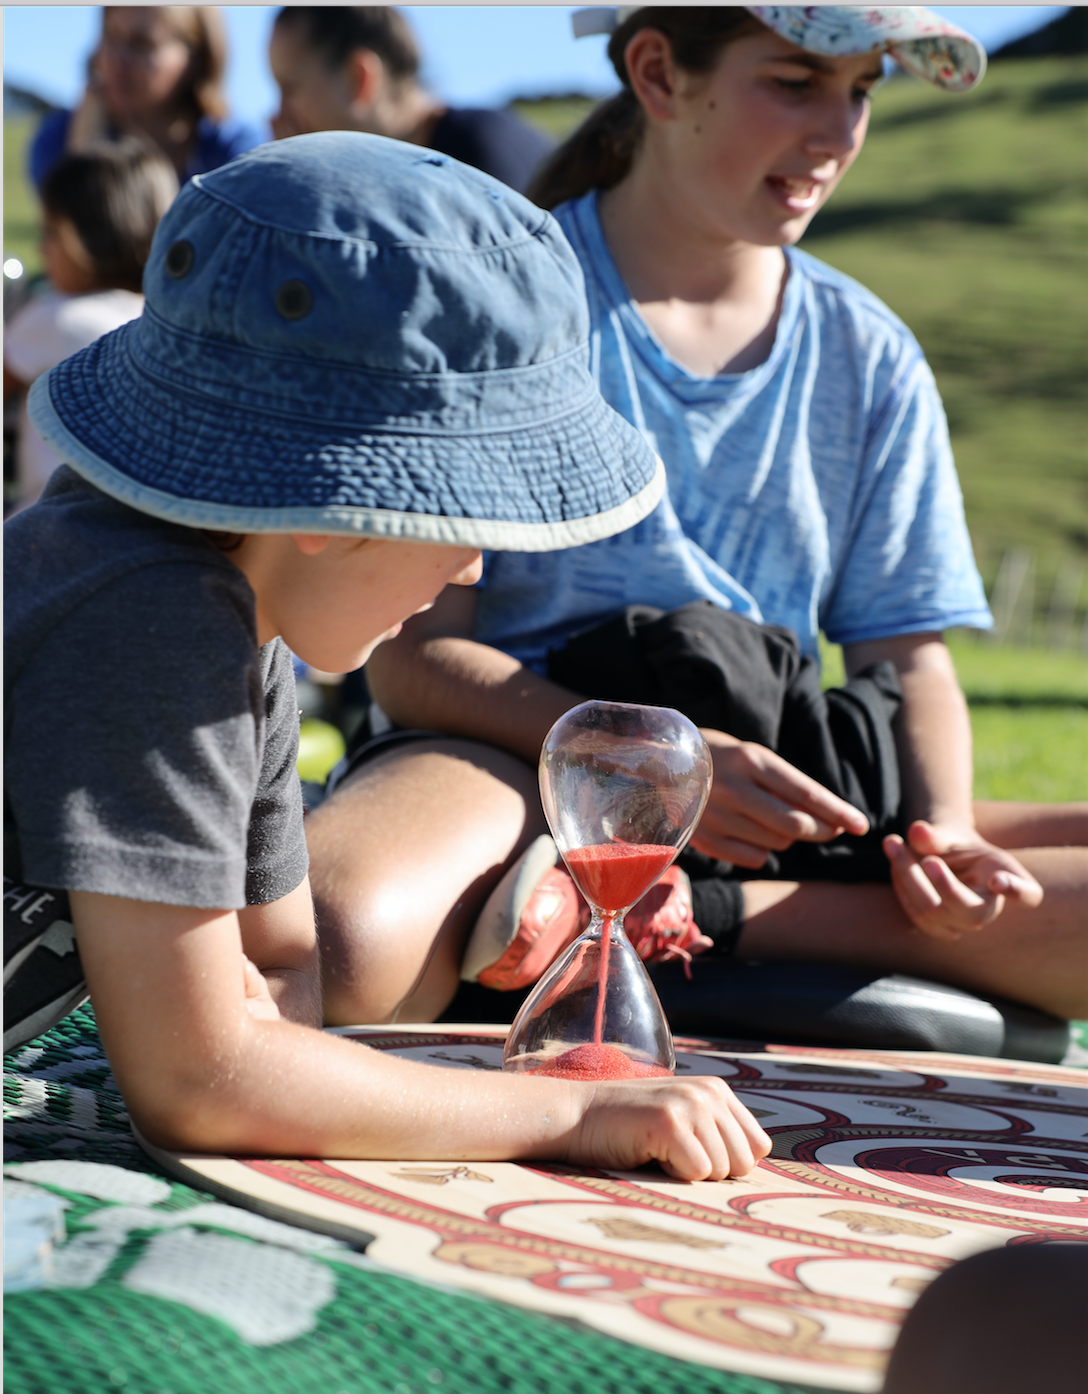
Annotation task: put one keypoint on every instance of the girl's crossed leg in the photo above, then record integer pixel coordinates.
(406, 851)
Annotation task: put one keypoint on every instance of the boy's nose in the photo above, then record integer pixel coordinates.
(471, 572)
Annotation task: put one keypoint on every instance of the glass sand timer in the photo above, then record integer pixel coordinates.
(623, 787)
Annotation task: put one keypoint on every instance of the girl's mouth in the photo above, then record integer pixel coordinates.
(799, 194)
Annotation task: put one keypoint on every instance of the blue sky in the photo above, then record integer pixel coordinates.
(475, 54)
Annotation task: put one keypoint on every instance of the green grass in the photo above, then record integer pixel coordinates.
(1034, 753)
(995, 673)
(1029, 717)
(999, 673)
(556, 116)
(20, 201)
(969, 217)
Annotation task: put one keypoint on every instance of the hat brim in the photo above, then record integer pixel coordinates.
(918, 39)
(195, 459)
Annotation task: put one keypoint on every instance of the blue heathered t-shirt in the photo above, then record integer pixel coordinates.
(816, 491)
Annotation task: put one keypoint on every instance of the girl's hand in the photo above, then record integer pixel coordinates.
(950, 881)
(760, 803)
(695, 1129)
(259, 1001)
(89, 123)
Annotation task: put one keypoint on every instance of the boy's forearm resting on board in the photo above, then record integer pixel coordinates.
(947, 877)
(200, 1072)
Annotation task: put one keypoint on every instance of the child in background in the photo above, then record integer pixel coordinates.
(360, 363)
(158, 74)
(357, 68)
(99, 214)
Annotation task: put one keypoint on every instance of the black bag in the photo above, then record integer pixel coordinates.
(753, 682)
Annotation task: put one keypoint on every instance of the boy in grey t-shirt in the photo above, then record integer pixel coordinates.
(359, 364)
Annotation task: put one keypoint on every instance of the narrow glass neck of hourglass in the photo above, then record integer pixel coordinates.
(602, 921)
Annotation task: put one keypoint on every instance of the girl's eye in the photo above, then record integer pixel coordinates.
(800, 84)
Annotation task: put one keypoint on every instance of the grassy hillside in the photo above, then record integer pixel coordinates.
(969, 217)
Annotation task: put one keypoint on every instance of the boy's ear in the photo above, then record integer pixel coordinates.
(310, 543)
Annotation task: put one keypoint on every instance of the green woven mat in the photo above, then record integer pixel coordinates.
(160, 1289)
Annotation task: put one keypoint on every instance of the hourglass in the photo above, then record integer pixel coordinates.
(623, 787)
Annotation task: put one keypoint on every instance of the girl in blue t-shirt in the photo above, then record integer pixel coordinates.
(810, 485)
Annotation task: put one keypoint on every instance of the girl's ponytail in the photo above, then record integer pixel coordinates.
(596, 156)
(601, 151)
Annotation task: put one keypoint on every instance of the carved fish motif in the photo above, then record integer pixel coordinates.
(862, 1223)
(440, 1178)
(623, 1228)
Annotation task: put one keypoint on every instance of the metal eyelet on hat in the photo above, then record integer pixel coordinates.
(179, 260)
(293, 300)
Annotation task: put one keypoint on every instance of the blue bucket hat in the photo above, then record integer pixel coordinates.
(347, 334)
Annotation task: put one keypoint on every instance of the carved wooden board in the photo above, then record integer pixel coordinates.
(887, 1167)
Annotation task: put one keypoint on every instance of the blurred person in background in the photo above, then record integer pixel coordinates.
(100, 210)
(157, 73)
(356, 68)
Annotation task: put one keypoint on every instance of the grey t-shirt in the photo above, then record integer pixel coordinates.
(150, 743)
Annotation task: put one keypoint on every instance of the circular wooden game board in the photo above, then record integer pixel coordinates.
(887, 1168)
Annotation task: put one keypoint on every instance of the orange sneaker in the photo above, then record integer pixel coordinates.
(662, 925)
(531, 916)
(536, 911)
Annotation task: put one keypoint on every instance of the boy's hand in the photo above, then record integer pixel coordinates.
(760, 803)
(259, 1001)
(950, 881)
(695, 1129)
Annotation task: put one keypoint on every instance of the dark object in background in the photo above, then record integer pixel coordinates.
(1001, 1322)
(495, 140)
(820, 1004)
(828, 1004)
(1064, 35)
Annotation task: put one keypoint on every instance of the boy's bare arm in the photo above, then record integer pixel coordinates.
(199, 1072)
(279, 939)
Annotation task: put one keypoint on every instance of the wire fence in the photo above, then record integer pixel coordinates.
(1023, 618)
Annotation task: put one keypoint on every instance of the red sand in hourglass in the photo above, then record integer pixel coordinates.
(598, 1062)
(614, 875)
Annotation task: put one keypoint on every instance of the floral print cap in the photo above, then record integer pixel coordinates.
(919, 40)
